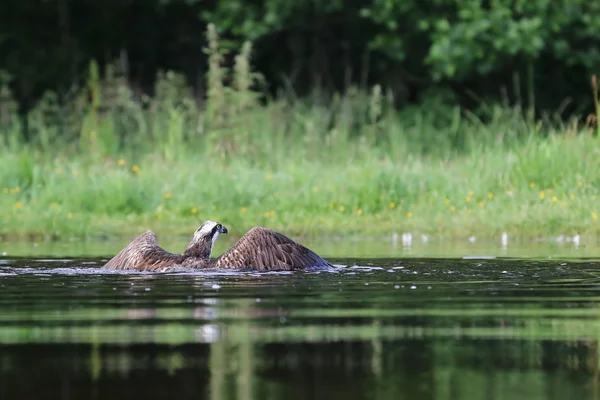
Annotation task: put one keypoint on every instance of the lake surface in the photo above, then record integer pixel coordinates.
(406, 324)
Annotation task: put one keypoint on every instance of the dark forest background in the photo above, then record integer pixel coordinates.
(539, 53)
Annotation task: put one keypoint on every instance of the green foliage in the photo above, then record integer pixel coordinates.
(302, 46)
(461, 38)
(542, 187)
(480, 38)
(110, 160)
(253, 21)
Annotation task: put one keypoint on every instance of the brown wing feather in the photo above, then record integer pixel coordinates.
(264, 249)
(143, 254)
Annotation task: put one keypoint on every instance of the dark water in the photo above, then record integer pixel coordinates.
(401, 328)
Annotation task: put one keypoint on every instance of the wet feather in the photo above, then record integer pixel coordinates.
(260, 248)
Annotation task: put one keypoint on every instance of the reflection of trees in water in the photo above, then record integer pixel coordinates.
(226, 369)
(222, 348)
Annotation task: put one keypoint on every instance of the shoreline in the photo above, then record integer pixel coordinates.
(375, 230)
(332, 248)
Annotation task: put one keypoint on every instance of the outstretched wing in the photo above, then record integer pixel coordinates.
(142, 254)
(264, 249)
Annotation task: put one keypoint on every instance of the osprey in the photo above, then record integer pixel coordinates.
(259, 248)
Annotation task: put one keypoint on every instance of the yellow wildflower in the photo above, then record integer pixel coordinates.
(594, 215)
(359, 212)
(468, 199)
(244, 209)
(121, 162)
(571, 196)
(490, 196)
(315, 189)
(135, 168)
(563, 203)
(269, 176)
(470, 193)
(554, 199)
(409, 214)
(452, 208)
(531, 184)
(446, 201)
(70, 215)
(580, 184)
(194, 210)
(18, 204)
(481, 203)
(392, 204)
(542, 195)
(167, 195)
(342, 208)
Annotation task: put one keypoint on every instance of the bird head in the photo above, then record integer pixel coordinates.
(204, 238)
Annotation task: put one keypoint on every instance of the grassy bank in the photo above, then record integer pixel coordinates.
(108, 161)
(547, 186)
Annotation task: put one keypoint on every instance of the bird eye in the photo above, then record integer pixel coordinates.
(218, 226)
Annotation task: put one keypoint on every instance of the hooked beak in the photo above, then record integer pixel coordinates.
(223, 230)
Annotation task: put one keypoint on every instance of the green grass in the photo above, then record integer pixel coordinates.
(480, 194)
(115, 163)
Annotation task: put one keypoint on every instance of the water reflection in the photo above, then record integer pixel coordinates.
(430, 368)
(387, 328)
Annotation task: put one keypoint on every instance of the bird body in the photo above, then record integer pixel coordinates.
(259, 248)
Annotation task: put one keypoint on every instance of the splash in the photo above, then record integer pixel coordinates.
(40, 267)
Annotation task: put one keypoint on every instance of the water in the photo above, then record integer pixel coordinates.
(400, 326)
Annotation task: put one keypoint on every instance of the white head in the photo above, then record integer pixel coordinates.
(206, 235)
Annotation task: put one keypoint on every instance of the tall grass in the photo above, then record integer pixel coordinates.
(106, 160)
